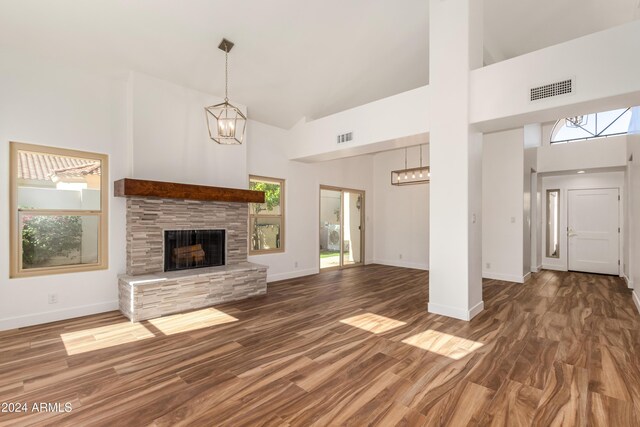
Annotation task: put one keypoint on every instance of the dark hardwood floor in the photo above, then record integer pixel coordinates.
(353, 347)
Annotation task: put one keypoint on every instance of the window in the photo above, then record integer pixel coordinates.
(58, 210)
(553, 223)
(590, 126)
(266, 220)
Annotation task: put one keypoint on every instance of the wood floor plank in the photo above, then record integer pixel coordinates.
(606, 411)
(514, 405)
(565, 397)
(351, 347)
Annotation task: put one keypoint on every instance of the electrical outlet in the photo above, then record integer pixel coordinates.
(53, 298)
(488, 265)
(400, 256)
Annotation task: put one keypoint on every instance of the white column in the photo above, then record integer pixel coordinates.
(455, 48)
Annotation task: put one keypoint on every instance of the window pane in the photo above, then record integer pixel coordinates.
(553, 223)
(51, 181)
(265, 233)
(614, 122)
(58, 240)
(595, 125)
(272, 200)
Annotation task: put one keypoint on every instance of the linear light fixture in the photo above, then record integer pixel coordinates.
(410, 176)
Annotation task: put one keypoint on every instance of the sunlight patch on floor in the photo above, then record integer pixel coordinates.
(373, 323)
(104, 337)
(185, 322)
(443, 344)
(332, 261)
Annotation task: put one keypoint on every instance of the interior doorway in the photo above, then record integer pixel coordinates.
(341, 227)
(593, 230)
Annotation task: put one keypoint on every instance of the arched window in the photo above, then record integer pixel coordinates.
(596, 125)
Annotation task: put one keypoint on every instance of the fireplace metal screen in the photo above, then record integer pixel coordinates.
(186, 249)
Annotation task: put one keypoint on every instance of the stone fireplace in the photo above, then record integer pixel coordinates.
(184, 254)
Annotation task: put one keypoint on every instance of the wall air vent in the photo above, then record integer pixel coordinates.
(345, 137)
(563, 87)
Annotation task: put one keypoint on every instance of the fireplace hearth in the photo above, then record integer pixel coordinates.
(188, 249)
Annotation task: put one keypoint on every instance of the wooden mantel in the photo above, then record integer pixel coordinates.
(128, 187)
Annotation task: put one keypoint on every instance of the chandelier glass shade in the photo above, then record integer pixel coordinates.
(225, 122)
(410, 176)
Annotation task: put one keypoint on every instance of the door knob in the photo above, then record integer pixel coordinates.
(571, 233)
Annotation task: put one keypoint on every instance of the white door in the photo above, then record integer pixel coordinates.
(593, 234)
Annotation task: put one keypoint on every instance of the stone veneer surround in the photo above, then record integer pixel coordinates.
(146, 291)
(148, 218)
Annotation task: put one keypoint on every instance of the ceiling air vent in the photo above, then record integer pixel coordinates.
(552, 89)
(345, 137)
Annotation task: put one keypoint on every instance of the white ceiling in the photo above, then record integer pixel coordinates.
(292, 58)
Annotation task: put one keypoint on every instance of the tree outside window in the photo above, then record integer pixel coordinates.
(266, 220)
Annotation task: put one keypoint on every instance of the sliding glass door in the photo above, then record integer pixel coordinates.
(341, 227)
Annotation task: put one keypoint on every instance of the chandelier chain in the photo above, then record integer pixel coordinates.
(226, 73)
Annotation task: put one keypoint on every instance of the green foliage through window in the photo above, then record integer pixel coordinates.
(45, 237)
(271, 196)
(267, 219)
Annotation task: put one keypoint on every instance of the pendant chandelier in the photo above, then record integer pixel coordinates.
(225, 122)
(409, 176)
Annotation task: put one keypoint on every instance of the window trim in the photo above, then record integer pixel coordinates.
(281, 249)
(15, 250)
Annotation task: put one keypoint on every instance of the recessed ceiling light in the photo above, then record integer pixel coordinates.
(580, 171)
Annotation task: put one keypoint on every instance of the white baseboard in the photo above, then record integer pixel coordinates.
(56, 315)
(290, 275)
(400, 263)
(628, 281)
(505, 277)
(455, 312)
(553, 267)
(636, 299)
(536, 269)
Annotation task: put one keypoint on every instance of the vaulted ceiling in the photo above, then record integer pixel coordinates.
(292, 58)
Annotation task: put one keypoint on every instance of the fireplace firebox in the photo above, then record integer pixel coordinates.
(187, 249)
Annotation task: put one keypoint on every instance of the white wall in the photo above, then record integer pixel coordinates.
(48, 104)
(575, 182)
(401, 213)
(170, 138)
(634, 215)
(536, 224)
(266, 157)
(385, 121)
(529, 206)
(594, 153)
(502, 205)
(500, 92)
